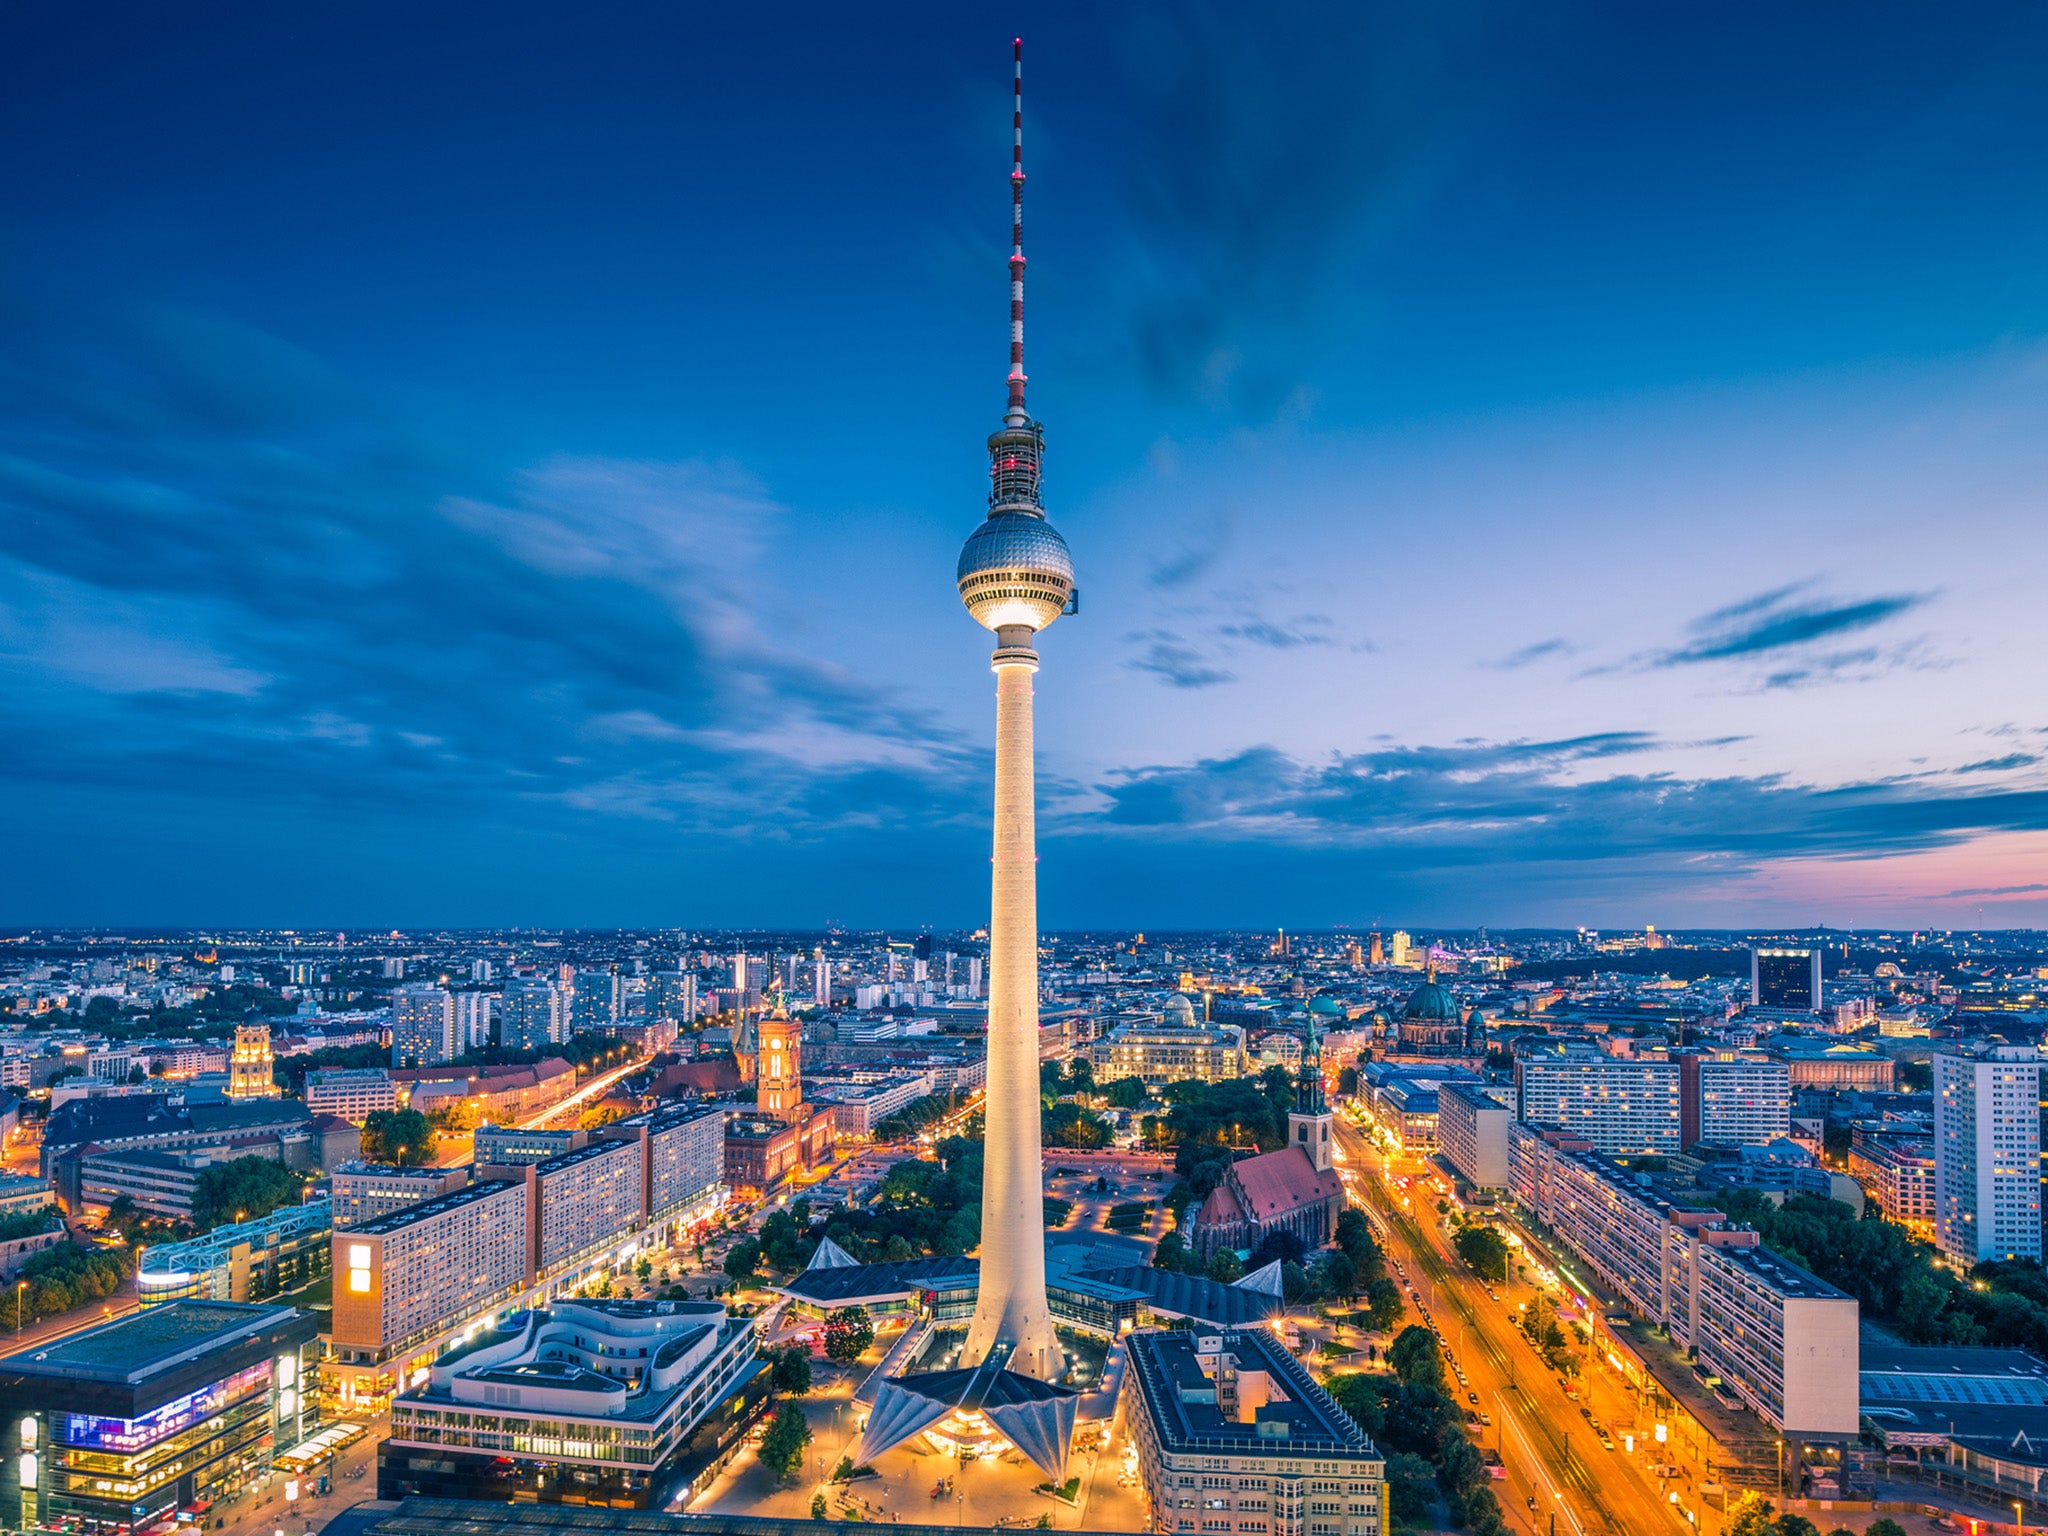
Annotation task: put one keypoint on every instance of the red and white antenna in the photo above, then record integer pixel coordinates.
(1016, 414)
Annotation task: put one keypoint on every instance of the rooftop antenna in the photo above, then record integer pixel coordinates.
(1016, 416)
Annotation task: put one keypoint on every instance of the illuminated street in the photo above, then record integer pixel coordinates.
(1549, 1448)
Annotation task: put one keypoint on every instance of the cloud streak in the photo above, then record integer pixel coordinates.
(1774, 622)
(1546, 803)
(232, 574)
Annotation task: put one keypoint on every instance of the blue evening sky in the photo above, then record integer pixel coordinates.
(504, 464)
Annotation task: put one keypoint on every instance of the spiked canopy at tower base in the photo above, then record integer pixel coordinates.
(972, 1405)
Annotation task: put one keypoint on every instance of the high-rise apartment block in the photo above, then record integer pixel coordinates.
(821, 979)
(473, 1020)
(1785, 978)
(402, 1280)
(1731, 1102)
(599, 1001)
(1621, 1106)
(1472, 1132)
(1784, 1341)
(673, 995)
(367, 1192)
(531, 1015)
(1987, 1154)
(422, 1026)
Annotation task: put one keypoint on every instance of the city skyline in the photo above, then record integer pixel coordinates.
(1581, 472)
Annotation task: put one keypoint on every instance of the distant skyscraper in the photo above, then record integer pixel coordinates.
(674, 996)
(531, 1016)
(974, 974)
(1785, 978)
(480, 970)
(1397, 952)
(472, 1020)
(599, 1000)
(422, 1026)
(739, 971)
(821, 979)
(922, 949)
(1378, 955)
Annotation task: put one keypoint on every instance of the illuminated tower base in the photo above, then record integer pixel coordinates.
(1011, 1315)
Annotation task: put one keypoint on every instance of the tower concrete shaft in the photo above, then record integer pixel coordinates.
(1011, 1316)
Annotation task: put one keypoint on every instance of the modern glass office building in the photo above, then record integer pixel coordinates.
(153, 1416)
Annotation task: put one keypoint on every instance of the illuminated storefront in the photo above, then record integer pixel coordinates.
(161, 1413)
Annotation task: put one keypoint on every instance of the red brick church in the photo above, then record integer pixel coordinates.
(1293, 1190)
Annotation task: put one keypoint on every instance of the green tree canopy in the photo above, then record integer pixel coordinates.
(848, 1333)
(792, 1371)
(1485, 1250)
(1073, 1125)
(782, 1447)
(242, 1190)
(1415, 1358)
(401, 1136)
(1125, 1093)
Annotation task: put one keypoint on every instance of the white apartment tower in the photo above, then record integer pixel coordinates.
(473, 1019)
(422, 1026)
(532, 1015)
(1987, 1154)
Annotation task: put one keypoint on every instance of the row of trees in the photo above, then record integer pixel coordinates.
(1754, 1515)
(922, 1208)
(63, 1277)
(1422, 1430)
(915, 1116)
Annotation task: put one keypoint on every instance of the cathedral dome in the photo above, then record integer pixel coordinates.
(1432, 1000)
(1325, 1007)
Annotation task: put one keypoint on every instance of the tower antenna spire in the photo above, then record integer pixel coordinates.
(1016, 415)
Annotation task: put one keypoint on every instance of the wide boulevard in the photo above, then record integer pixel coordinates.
(1551, 1450)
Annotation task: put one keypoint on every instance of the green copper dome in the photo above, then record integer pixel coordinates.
(1432, 1000)
(1325, 1005)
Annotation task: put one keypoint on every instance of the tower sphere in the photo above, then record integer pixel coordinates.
(1015, 572)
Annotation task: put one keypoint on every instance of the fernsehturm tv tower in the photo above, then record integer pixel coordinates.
(1015, 578)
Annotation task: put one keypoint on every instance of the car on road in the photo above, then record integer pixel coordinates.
(1472, 1397)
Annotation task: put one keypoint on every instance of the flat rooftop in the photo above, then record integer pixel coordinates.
(137, 1346)
(581, 1155)
(426, 1210)
(1181, 1400)
(1782, 1275)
